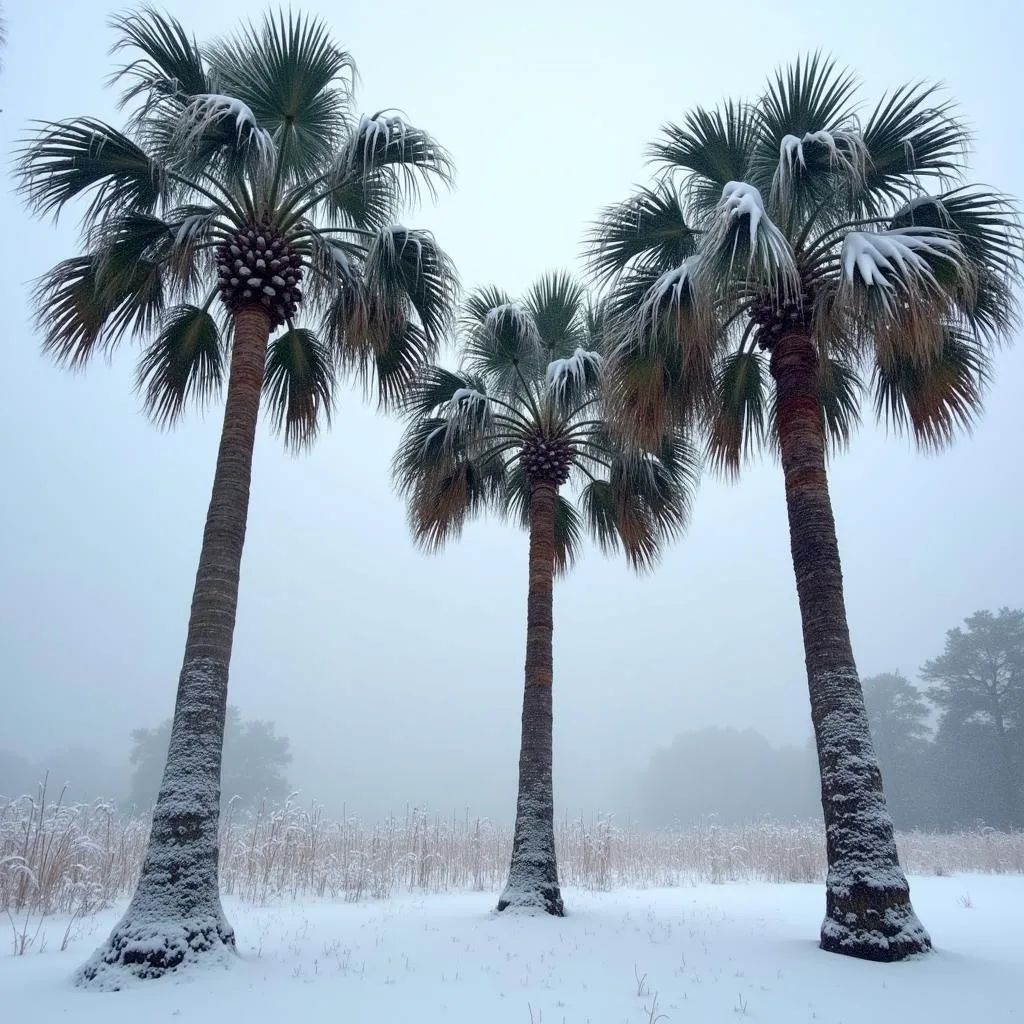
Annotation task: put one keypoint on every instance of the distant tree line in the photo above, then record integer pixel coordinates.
(255, 762)
(951, 749)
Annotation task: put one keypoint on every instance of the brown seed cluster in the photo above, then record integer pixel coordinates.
(259, 266)
(547, 458)
(775, 318)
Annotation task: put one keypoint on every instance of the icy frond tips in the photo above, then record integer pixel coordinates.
(569, 378)
(514, 317)
(899, 257)
(740, 199)
(674, 293)
(377, 133)
(468, 409)
(846, 151)
(207, 109)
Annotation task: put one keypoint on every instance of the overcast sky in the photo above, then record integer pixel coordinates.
(400, 674)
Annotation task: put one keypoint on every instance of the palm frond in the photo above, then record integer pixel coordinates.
(570, 380)
(903, 282)
(987, 227)
(442, 485)
(840, 393)
(184, 363)
(745, 249)
(65, 160)
(501, 342)
(557, 302)
(215, 126)
(298, 385)
(935, 399)
(568, 522)
(298, 84)
(393, 368)
(649, 231)
(712, 148)
(171, 65)
(910, 136)
(407, 268)
(738, 415)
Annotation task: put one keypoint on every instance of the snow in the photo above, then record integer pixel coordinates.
(569, 378)
(210, 108)
(886, 258)
(740, 199)
(707, 953)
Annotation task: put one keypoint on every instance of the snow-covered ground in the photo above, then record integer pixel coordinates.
(701, 954)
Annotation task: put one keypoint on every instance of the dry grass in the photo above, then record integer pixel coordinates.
(56, 858)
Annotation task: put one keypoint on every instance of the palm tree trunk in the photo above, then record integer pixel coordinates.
(868, 911)
(176, 910)
(533, 873)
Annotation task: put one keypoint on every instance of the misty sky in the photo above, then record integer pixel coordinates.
(400, 674)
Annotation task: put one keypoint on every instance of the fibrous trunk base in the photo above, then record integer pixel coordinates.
(143, 948)
(872, 924)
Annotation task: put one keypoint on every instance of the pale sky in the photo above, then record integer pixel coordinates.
(397, 675)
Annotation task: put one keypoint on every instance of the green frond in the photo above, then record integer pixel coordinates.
(738, 415)
(171, 65)
(406, 351)
(298, 84)
(910, 136)
(298, 385)
(557, 303)
(936, 399)
(649, 231)
(90, 302)
(987, 227)
(568, 522)
(185, 362)
(83, 157)
(572, 383)
(840, 396)
(711, 148)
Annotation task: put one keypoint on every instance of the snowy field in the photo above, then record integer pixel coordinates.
(701, 953)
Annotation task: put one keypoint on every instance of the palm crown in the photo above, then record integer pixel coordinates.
(794, 215)
(525, 411)
(243, 174)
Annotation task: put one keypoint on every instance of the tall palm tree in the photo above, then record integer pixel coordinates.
(242, 194)
(508, 433)
(790, 255)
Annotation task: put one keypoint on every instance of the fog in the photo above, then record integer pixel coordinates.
(397, 676)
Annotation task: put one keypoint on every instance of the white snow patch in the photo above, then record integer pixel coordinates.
(570, 378)
(207, 109)
(708, 953)
(889, 259)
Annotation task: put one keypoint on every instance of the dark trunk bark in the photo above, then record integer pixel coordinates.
(868, 911)
(533, 873)
(175, 913)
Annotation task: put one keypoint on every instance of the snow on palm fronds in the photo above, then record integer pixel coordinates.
(512, 321)
(209, 110)
(676, 304)
(743, 233)
(902, 263)
(845, 152)
(570, 379)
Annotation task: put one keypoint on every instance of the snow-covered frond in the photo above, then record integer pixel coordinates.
(673, 303)
(468, 412)
(383, 140)
(745, 248)
(834, 152)
(903, 284)
(903, 262)
(501, 344)
(210, 114)
(569, 379)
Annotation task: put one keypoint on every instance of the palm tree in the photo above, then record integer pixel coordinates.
(520, 422)
(788, 253)
(242, 192)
